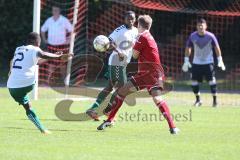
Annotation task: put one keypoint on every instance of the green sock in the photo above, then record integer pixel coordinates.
(95, 105)
(34, 118)
(101, 97)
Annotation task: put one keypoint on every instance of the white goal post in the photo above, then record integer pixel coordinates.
(71, 47)
(36, 28)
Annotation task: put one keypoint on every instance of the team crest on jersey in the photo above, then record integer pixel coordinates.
(124, 45)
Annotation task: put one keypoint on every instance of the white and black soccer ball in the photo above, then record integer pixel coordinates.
(101, 43)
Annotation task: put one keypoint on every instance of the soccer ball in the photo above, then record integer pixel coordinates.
(101, 43)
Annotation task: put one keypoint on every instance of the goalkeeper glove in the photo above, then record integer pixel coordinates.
(186, 64)
(220, 63)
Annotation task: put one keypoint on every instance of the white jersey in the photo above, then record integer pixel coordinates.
(125, 39)
(23, 67)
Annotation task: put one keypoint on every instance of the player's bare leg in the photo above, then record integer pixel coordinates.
(34, 118)
(122, 92)
(109, 107)
(163, 107)
(195, 88)
(118, 78)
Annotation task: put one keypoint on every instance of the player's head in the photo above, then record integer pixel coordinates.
(201, 26)
(34, 38)
(144, 23)
(129, 19)
(56, 11)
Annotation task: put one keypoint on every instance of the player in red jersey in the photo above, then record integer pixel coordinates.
(150, 75)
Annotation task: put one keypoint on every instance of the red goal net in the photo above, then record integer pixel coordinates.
(173, 20)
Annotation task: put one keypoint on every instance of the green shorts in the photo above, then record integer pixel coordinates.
(20, 94)
(117, 75)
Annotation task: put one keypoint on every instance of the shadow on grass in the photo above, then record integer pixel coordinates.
(20, 128)
(53, 130)
(42, 119)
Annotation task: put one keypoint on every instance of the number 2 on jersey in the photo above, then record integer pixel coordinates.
(17, 60)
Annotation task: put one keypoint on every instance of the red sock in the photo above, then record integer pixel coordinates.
(117, 103)
(163, 107)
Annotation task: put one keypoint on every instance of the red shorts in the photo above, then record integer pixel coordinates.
(150, 80)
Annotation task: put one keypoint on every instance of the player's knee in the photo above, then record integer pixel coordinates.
(212, 82)
(127, 89)
(157, 99)
(214, 89)
(123, 90)
(213, 86)
(26, 106)
(195, 87)
(156, 95)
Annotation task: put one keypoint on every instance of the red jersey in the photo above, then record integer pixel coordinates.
(150, 72)
(148, 51)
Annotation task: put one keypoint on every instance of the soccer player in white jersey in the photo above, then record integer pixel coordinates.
(22, 74)
(122, 40)
(203, 42)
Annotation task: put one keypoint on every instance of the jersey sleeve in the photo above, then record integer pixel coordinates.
(189, 42)
(214, 40)
(44, 27)
(35, 57)
(114, 36)
(139, 45)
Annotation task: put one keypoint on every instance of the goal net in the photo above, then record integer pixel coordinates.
(173, 21)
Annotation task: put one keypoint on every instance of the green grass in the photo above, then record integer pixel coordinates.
(211, 134)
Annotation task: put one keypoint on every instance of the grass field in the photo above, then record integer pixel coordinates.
(206, 133)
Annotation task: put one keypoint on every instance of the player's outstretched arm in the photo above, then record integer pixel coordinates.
(219, 58)
(187, 63)
(47, 55)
